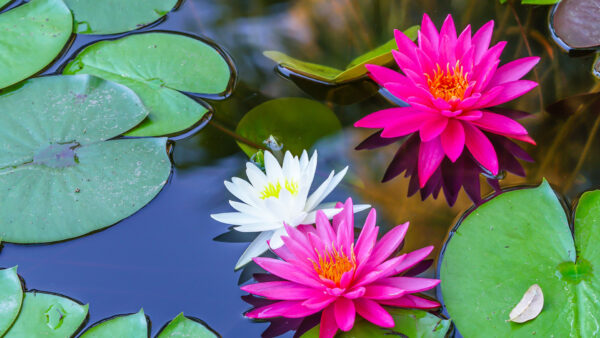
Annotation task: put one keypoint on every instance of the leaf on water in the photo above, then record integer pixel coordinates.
(529, 306)
(576, 23)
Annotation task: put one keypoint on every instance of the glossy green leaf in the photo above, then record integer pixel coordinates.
(4, 2)
(130, 326)
(381, 55)
(116, 16)
(32, 35)
(11, 298)
(513, 241)
(296, 123)
(409, 323)
(58, 178)
(182, 326)
(193, 66)
(47, 315)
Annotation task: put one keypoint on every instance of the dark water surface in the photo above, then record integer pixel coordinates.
(164, 258)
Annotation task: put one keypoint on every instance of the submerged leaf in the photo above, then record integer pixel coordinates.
(59, 177)
(297, 123)
(33, 34)
(116, 16)
(529, 307)
(193, 66)
(48, 315)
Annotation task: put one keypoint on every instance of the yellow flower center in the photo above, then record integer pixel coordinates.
(333, 265)
(273, 190)
(449, 83)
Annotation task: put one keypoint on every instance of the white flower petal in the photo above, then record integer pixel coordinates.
(260, 226)
(272, 168)
(234, 218)
(319, 195)
(288, 163)
(310, 217)
(255, 249)
(256, 176)
(243, 190)
(250, 210)
(360, 207)
(276, 242)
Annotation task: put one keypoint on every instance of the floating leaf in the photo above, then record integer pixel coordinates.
(48, 315)
(4, 2)
(575, 23)
(182, 326)
(409, 323)
(130, 326)
(296, 123)
(58, 179)
(11, 298)
(33, 34)
(381, 55)
(193, 66)
(529, 306)
(519, 238)
(116, 16)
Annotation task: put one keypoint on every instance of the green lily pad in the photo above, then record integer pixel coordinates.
(513, 241)
(182, 326)
(381, 55)
(576, 23)
(11, 298)
(295, 122)
(130, 326)
(116, 16)
(48, 315)
(59, 177)
(193, 66)
(4, 2)
(33, 34)
(409, 323)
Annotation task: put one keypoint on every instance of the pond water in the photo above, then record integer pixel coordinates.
(164, 258)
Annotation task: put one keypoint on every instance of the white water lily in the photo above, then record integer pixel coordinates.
(281, 195)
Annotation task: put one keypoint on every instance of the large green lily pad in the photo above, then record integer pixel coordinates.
(32, 35)
(11, 298)
(130, 326)
(116, 16)
(4, 2)
(59, 177)
(48, 315)
(513, 241)
(295, 122)
(165, 64)
(182, 326)
(381, 55)
(409, 323)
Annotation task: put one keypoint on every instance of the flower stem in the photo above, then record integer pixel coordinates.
(235, 135)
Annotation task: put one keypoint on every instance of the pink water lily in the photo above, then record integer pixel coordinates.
(450, 82)
(323, 270)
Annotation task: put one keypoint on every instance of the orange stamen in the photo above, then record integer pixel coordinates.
(333, 265)
(449, 83)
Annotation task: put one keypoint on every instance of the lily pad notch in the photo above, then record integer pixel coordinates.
(175, 91)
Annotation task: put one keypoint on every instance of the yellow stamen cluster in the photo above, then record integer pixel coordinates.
(333, 265)
(273, 190)
(449, 83)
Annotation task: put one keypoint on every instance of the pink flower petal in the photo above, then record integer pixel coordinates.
(383, 75)
(319, 302)
(385, 117)
(355, 293)
(470, 115)
(486, 69)
(429, 31)
(344, 313)
(324, 229)
(512, 90)
(378, 292)
(328, 327)
(453, 139)
(481, 148)
(431, 155)
(448, 42)
(463, 43)
(412, 302)
(499, 124)
(514, 70)
(281, 290)
(286, 308)
(410, 284)
(373, 312)
(388, 244)
(405, 90)
(411, 259)
(404, 124)
(406, 45)
(426, 54)
(432, 128)
(366, 239)
(410, 67)
(286, 271)
(481, 40)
